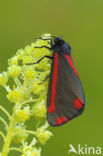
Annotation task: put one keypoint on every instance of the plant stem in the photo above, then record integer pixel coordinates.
(15, 149)
(31, 132)
(3, 136)
(9, 136)
(6, 112)
(4, 122)
(17, 82)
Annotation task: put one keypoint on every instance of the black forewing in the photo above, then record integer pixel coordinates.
(68, 88)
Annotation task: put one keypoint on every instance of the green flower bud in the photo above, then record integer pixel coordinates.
(15, 96)
(44, 136)
(39, 110)
(14, 71)
(13, 61)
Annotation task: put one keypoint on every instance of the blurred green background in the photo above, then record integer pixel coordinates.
(81, 23)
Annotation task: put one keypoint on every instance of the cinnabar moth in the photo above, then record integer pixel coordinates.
(65, 98)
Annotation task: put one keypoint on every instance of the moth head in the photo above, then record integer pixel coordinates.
(58, 41)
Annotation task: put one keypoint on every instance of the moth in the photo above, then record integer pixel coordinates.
(65, 97)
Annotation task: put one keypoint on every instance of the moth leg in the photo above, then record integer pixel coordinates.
(44, 80)
(45, 47)
(45, 56)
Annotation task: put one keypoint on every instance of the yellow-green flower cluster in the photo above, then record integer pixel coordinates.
(42, 134)
(19, 134)
(14, 96)
(13, 61)
(23, 114)
(31, 150)
(27, 93)
(29, 73)
(3, 78)
(14, 71)
(27, 77)
(39, 110)
(37, 90)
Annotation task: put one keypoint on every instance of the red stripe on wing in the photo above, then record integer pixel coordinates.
(71, 64)
(54, 80)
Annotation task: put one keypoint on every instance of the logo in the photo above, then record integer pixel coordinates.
(85, 149)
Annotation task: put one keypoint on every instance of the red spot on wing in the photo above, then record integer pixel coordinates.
(63, 119)
(71, 63)
(60, 120)
(54, 80)
(77, 103)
